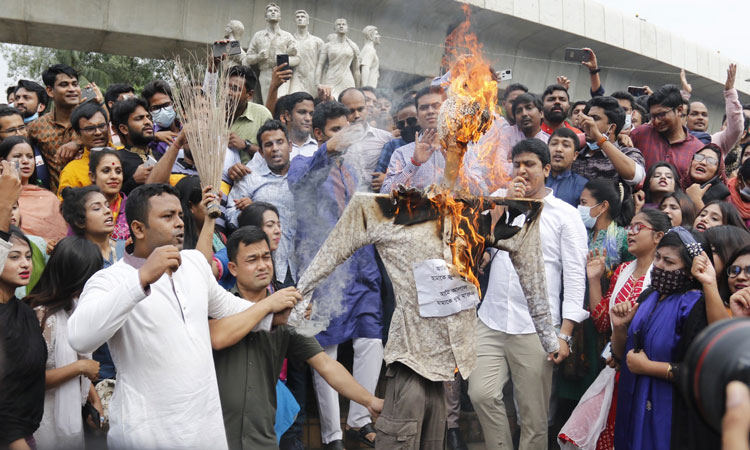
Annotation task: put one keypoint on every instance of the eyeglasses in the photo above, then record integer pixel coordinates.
(735, 271)
(636, 228)
(711, 161)
(155, 108)
(94, 128)
(661, 115)
(14, 130)
(410, 121)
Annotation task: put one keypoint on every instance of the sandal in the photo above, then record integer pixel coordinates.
(361, 434)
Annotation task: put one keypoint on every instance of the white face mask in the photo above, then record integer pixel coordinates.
(628, 121)
(31, 118)
(585, 213)
(164, 117)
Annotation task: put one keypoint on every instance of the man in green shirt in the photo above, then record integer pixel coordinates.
(248, 363)
(249, 116)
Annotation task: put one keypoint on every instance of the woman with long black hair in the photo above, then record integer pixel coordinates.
(22, 349)
(69, 375)
(87, 212)
(605, 212)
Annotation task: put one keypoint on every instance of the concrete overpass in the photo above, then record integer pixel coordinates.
(527, 36)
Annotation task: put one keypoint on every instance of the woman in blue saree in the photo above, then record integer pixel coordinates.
(651, 340)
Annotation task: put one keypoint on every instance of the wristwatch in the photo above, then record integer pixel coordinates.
(247, 145)
(568, 340)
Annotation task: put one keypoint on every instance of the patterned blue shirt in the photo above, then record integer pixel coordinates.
(262, 185)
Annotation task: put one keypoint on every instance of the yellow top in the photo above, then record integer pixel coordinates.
(75, 174)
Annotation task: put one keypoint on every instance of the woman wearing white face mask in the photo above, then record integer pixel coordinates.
(604, 209)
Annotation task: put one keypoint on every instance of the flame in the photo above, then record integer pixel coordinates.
(466, 244)
(465, 118)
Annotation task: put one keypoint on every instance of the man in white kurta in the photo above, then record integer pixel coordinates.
(156, 325)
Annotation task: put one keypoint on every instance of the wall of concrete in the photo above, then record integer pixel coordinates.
(527, 36)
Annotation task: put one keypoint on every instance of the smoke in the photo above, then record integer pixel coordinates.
(320, 198)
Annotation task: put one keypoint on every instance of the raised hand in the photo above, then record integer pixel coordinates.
(165, 259)
(280, 75)
(589, 127)
(592, 63)
(622, 314)
(731, 75)
(596, 264)
(345, 138)
(324, 93)
(703, 270)
(165, 136)
(517, 188)
(683, 80)
(425, 146)
(739, 303)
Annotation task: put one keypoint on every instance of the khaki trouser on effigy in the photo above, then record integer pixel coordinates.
(413, 412)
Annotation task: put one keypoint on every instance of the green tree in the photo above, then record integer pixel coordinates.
(101, 68)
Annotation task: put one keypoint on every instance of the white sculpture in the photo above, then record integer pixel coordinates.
(234, 31)
(268, 43)
(369, 64)
(338, 64)
(308, 50)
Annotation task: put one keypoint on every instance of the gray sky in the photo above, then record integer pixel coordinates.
(717, 25)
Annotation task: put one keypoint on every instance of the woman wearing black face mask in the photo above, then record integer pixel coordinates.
(651, 340)
(739, 191)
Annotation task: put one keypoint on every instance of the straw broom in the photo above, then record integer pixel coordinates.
(206, 118)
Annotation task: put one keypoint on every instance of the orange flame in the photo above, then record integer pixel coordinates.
(465, 118)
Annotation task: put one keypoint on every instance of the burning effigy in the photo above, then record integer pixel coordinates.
(431, 240)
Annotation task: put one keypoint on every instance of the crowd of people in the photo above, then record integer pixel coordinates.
(128, 311)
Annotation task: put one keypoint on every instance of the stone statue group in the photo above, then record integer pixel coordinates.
(338, 63)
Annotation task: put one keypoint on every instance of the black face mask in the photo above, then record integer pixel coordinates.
(409, 133)
(409, 129)
(670, 281)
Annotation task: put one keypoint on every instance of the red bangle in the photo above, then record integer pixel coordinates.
(601, 141)
(414, 162)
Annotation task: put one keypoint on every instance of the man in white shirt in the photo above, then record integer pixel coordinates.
(507, 346)
(152, 308)
(298, 112)
(370, 147)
